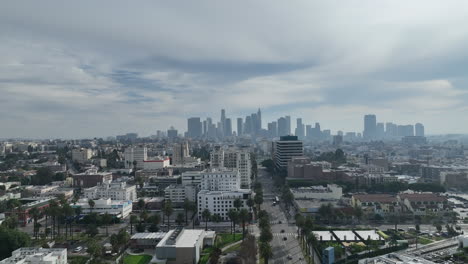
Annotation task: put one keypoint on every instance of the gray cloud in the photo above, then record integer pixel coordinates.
(95, 68)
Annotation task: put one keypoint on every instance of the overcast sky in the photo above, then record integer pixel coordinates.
(73, 69)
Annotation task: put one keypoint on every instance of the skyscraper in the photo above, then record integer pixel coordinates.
(282, 127)
(419, 130)
(370, 126)
(288, 125)
(223, 121)
(380, 130)
(259, 119)
(299, 129)
(254, 120)
(240, 124)
(194, 127)
(248, 125)
(228, 128)
(272, 129)
(172, 133)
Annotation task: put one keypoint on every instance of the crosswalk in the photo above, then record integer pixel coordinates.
(284, 234)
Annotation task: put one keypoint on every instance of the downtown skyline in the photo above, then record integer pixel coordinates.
(77, 71)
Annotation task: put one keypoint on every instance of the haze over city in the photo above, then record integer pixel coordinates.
(77, 70)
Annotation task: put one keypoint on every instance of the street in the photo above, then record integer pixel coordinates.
(284, 243)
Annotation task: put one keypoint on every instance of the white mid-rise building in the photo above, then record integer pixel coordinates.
(115, 191)
(177, 193)
(117, 208)
(213, 180)
(135, 154)
(156, 163)
(219, 202)
(217, 157)
(234, 158)
(81, 155)
(285, 149)
(37, 256)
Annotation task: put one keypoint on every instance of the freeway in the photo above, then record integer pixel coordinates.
(285, 245)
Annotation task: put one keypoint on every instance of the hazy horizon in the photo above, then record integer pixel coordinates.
(88, 69)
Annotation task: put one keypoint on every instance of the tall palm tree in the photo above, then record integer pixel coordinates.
(206, 215)
(35, 213)
(243, 217)
(237, 203)
(187, 205)
(107, 219)
(266, 251)
(133, 220)
(68, 212)
(168, 210)
(258, 199)
(233, 216)
(91, 204)
(78, 212)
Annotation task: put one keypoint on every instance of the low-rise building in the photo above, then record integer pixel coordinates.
(181, 246)
(37, 256)
(330, 192)
(146, 240)
(115, 191)
(381, 204)
(156, 164)
(91, 178)
(177, 193)
(81, 155)
(422, 203)
(117, 208)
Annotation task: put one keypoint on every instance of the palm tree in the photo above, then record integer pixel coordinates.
(187, 206)
(133, 220)
(258, 199)
(68, 212)
(206, 215)
(265, 251)
(233, 215)
(141, 204)
(250, 203)
(180, 219)
(91, 204)
(243, 216)
(237, 203)
(35, 213)
(168, 210)
(78, 212)
(107, 219)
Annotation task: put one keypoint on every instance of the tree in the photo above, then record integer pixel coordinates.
(265, 235)
(265, 251)
(187, 206)
(250, 203)
(214, 255)
(35, 214)
(141, 204)
(258, 199)
(243, 216)
(11, 240)
(91, 204)
(233, 215)
(68, 212)
(133, 220)
(92, 230)
(94, 249)
(237, 203)
(168, 210)
(206, 215)
(107, 219)
(180, 219)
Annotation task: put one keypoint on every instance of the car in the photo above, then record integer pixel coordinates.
(285, 238)
(289, 257)
(282, 230)
(78, 249)
(279, 222)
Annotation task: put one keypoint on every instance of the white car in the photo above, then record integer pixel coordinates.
(78, 249)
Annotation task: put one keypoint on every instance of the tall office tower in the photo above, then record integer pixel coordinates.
(370, 126)
(211, 131)
(248, 125)
(380, 130)
(282, 127)
(209, 122)
(223, 120)
(285, 149)
(391, 130)
(240, 124)
(259, 119)
(228, 127)
(194, 127)
(339, 133)
(405, 130)
(419, 130)
(326, 134)
(254, 121)
(217, 157)
(288, 124)
(272, 129)
(299, 129)
(308, 131)
(205, 128)
(172, 133)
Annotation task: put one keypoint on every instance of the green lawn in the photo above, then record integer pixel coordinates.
(223, 240)
(233, 248)
(424, 241)
(137, 259)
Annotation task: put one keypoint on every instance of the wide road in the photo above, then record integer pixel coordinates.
(284, 241)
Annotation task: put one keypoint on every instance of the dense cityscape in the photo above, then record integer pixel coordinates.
(213, 194)
(233, 132)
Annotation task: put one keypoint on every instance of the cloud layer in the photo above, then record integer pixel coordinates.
(97, 68)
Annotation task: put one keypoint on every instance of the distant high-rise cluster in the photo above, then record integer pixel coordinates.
(379, 131)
